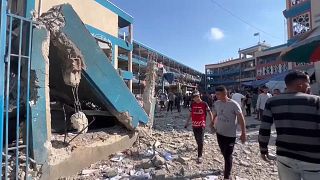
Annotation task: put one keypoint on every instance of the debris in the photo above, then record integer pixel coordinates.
(88, 171)
(156, 144)
(111, 172)
(141, 175)
(117, 158)
(159, 175)
(239, 178)
(211, 178)
(168, 156)
(146, 164)
(79, 122)
(244, 163)
(183, 160)
(158, 161)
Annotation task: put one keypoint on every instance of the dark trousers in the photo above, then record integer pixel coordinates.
(260, 114)
(199, 136)
(248, 109)
(226, 145)
(178, 106)
(170, 106)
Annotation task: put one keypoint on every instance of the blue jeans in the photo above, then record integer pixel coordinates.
(292, 169)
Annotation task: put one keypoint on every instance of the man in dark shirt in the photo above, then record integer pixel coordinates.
(297, 120)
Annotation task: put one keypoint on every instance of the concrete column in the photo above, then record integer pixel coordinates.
(130, 54)
(40, 120)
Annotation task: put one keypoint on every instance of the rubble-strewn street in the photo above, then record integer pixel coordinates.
(175, 155)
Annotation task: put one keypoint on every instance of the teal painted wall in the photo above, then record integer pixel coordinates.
(104, 79)
(39, 114)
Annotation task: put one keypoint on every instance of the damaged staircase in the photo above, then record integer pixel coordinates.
(73, 41)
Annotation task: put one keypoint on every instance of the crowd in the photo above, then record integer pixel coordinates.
(294, 112)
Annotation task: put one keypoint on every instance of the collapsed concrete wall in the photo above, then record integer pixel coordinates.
(70, 37)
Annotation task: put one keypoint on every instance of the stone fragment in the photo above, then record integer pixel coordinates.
(159, 175)
(111, 172)
(88, 171)
(158, 161)
(183, 160)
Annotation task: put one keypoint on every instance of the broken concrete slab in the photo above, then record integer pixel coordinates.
(70, 36)
(82, 157)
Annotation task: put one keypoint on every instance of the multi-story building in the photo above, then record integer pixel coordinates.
(267, 62)
(113, 29)
(185, 78)
(233, 72)
(299, 21)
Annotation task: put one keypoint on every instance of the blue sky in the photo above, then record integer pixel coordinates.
(198, 32)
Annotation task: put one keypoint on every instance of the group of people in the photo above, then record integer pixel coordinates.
(174, 100)
(254, 101)
(170, 101)
(295, 113)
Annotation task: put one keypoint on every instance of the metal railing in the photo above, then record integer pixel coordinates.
(15, 64)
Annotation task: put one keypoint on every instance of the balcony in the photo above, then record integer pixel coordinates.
(232, 71)
(228, 72)
(248, 78)
(213, 75)
(135, 59)
(249, 69)
(213, 82)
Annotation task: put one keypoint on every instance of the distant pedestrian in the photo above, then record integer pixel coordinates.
(163, 100)
(296, 116)
(238, 97)
(178, 101)
(171, 98)
(254, 101)
(198, 115)
(208, 99)
(248, 102)
(229, 114)
(262, 99)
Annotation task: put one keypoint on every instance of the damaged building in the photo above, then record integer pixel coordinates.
(67, 93)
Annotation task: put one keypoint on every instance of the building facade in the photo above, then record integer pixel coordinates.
(113, 29)
(299, 21)
(232, 73)
(300, 15)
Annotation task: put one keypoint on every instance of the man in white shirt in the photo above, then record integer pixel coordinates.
(262, 99)
(238, 98)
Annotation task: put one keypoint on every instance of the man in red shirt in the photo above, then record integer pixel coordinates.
(198, 115)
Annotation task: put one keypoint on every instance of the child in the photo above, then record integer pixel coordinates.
(198, 114)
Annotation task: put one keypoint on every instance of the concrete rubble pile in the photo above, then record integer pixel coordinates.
(169, 152)
(33, 170)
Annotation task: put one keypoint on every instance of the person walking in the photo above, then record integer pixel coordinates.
(254, 101)
(208, 99)
(171, 98)
(178, 101)
(296, 116)
(198, 115)
(248, 102)
(229, 114)
(262, 99)
(238, 97)
(163, 99)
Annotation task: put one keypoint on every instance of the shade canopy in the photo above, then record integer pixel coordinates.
(305, 49)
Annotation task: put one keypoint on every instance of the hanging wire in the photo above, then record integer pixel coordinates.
(243, 20)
